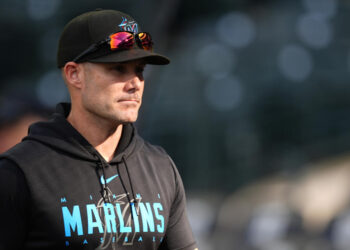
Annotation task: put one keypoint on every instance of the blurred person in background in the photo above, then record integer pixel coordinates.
(17, 112)
(85, 179)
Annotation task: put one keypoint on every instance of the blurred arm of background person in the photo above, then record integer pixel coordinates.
(17, 113)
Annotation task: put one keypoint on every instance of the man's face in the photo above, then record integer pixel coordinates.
(113, 91)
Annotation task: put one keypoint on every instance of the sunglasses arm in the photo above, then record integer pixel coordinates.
(89, 50)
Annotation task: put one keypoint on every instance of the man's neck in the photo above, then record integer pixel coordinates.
(103, 136)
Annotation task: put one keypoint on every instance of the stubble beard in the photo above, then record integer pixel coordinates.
(114, 116)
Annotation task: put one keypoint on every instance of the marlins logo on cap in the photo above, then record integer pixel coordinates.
(130, 26)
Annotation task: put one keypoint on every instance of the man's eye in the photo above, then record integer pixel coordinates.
(140, 69)
(119, 68)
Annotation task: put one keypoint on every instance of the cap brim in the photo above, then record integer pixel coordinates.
(133, 54)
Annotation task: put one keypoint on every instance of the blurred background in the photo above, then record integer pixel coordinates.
(254, 108)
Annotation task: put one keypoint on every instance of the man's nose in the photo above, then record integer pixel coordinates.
(134, 83)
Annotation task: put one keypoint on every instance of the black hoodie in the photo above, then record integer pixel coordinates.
(57, 192)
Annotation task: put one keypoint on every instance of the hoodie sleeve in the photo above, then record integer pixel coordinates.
(14, 199)
(179, 234)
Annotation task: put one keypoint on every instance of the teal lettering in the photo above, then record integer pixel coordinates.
(63, 200)
(85, 242)
(147, 217)
(110, 217)
(158, 207)
(67, 243)
(72, 221)
(126, 239)
(140, 239)
(123, 228)
(136, 218)
(138, 195)
(92, 210)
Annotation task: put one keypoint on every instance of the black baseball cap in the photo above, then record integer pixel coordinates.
(95, 26)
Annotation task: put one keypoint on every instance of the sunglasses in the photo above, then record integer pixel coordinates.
(120, 41)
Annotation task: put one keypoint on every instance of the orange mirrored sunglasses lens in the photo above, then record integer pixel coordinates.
(146, 40)
(125, 40)
(121, 40)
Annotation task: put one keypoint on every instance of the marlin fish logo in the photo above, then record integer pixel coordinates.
(130, 26)
(103, 181)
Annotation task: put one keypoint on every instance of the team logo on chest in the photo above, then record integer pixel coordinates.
(117, 220)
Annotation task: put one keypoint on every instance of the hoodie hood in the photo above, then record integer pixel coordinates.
(59, 134)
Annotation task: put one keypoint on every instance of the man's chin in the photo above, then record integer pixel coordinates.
(130, 119)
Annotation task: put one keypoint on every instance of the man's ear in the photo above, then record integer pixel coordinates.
(73, 73)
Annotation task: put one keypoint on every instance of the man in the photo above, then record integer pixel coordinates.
(85, 179)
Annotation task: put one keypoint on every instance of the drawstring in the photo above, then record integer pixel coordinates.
(127, 171)
(124, 187)
(104, 191)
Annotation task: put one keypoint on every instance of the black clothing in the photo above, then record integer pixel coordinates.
(57, 192)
